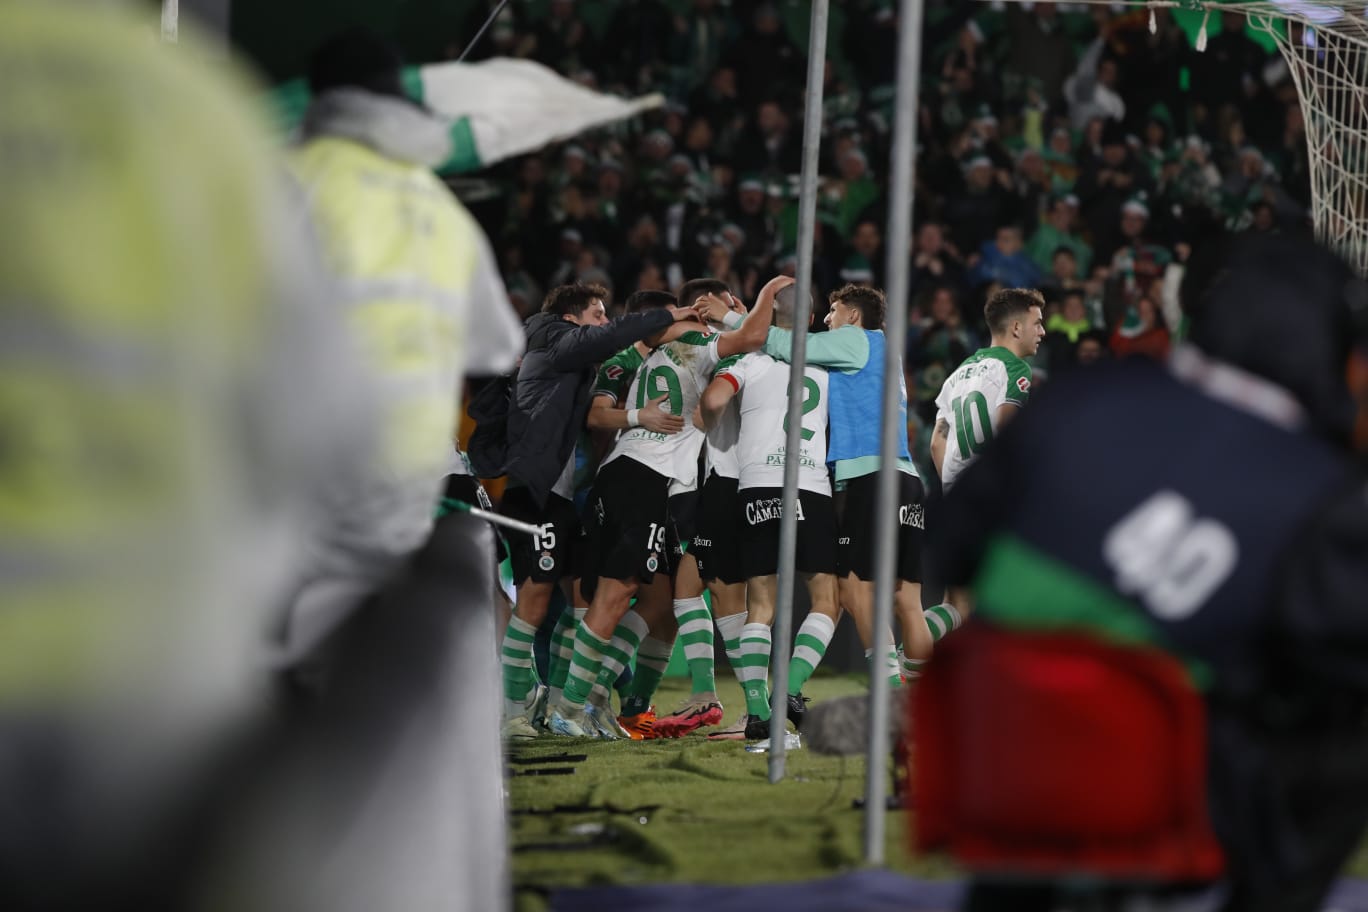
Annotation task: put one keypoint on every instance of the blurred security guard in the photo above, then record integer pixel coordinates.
(418, 285)
(397, 616)
(170, 387)
(1209, 508)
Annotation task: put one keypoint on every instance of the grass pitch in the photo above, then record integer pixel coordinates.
(690, 810)
(695, 811)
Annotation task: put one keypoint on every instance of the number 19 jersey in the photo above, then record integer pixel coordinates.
(678, 370)
(969, 400)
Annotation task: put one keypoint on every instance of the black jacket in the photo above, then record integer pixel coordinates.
(551, 396)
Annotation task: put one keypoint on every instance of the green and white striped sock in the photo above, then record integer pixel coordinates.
(517, 664)
(653, 657)
(562, 647)
(729, 628)
(911, 668)
(891, 666)
(755, 656)
(808, 648)
(696, 635)
(584, 666)
(626, 639)
(943, 620)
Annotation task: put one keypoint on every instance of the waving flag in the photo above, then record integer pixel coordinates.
(498, 108)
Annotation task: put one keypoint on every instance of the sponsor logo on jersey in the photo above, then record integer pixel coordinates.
(612, 371)
(547, 562)
(700, 542)
(768, 509)
(913, 515)
(1023, 384)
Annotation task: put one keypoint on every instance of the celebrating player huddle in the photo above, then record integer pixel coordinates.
(702, 382)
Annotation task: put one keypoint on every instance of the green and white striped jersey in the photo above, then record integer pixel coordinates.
(679, 370)
(969, 400)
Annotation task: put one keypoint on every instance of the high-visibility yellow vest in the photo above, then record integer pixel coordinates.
(404, 253)
(149, 411)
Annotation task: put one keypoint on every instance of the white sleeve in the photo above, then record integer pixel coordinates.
(494, 335)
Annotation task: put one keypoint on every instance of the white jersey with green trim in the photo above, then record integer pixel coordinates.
(969, 401)
(679, 370)
(762, 386)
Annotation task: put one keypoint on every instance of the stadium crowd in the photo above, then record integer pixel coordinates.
(1061, 146)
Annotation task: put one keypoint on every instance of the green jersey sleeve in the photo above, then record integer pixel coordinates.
(845, 348)
(616, 374)
(1018, 381)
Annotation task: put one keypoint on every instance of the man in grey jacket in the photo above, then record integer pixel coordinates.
(546, 412)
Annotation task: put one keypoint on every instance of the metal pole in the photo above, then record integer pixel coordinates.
(802, 312)
(900, 198)
(480, 34)
(170, 21)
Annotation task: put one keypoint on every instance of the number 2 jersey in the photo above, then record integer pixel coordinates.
(969, 400)
(762, 384)
(680, 371)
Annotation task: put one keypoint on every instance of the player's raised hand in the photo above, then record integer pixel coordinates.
(654, 418)
(734, 304)
(777, 284)
(711, 308)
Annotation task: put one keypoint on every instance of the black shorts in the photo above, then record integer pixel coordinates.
(759, 519)
(467, 489)
(547, 557)
(717, 541)
(683, 524)
(856, 512)
(630, 522)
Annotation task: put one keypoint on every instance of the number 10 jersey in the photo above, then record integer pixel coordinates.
(969, 400)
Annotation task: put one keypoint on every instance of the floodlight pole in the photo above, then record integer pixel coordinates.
(900, 198)
(782, 634)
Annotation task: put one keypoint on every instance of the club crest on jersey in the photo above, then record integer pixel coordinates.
(652, 564)
(547, 562)
(1023, 384)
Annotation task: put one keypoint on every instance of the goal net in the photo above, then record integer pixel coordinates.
(1325, 46)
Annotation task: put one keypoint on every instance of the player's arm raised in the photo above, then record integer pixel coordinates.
(754, 329)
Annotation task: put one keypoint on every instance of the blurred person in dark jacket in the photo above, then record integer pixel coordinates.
(1244, 557)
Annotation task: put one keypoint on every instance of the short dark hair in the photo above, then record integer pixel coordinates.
(694, 289)
(869, 301)
(1008, 303)
(648, 299)
(573, 300)
(1063, 248)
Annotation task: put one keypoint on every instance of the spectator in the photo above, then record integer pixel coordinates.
(942, 342)
(1091, 90)
(853, 194)
(1107, 183)
(935, 261)
(1072, 319)
(974, 215)
(1142, 332)
(1092, 347)
(866, 250)
(1056, 231)
(1004, 260)
(764, 58)
(770, 145)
